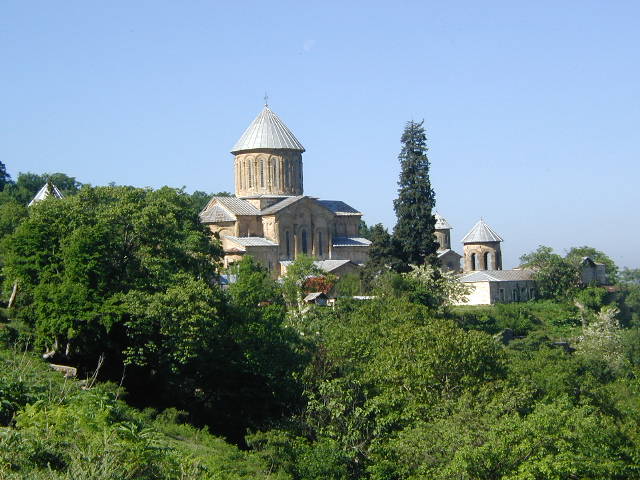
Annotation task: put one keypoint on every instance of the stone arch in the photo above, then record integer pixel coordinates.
(485, 261)
(474, 262)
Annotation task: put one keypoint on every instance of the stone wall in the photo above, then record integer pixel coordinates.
(268, 172)
(487, 256)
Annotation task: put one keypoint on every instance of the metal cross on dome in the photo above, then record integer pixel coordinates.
(266, 99)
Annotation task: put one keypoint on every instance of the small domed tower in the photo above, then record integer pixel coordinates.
(268, 159)
(443, 232)
(482, 248)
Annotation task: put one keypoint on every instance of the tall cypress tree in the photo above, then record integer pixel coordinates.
(416, 200)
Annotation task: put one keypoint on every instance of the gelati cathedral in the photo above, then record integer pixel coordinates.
(270, 218)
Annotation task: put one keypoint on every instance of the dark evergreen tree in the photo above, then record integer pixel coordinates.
(5, 178)
(383, 255)
(415, 227)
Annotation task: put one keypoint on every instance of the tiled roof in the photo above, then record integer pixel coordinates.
(47, 190)
(445, 251)
(267, 131)
(497, 276)
(312, 296)
(236, 206)
(276, 207)
(339, 207)
(350, 242)
(331, 265)
(481, 232)
(441, 222)
(326, 265)
(215, 214)
(252, 241)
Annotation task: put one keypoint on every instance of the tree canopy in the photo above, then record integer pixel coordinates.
(415, 226)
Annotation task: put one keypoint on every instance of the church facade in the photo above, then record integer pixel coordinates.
(270, 218)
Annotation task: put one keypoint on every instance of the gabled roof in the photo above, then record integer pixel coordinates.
(251, 241)
(215, 214)
(441, 222)
(350, 242)
(339, 207)
(236, 206)
(313, 296)
(47, 190)
(326, 265)
(481, 232)
(331, 265)
(445, 251)
(497, 276)
(267, 131)
(276, 207)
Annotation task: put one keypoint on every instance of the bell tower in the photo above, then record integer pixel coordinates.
(482, 249)
(268, 159)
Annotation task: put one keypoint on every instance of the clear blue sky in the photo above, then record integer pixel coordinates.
(531, 108)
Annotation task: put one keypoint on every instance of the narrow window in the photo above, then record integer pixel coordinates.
(501, 294)
(514, 294)
(304, 242)
(473, 261)
(285, 165)
(320, 252)
(262, 172)
(486, 260)
(288, 243)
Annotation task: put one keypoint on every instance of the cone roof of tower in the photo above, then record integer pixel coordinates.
(267, 131)
(47, 190)
(441, 222)
(481, 232)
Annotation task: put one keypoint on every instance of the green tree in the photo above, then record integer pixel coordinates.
(576, 254)
(556, 277)
(5, 178)
(73, 257)
(414, 206)
(384, 255)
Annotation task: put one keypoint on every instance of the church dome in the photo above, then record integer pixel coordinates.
(267, 132)
(441, 222)
(481, 232)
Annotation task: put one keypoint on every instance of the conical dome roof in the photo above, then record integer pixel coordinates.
(481, 232)
(441, 222)
(47, 190)
(267, 131)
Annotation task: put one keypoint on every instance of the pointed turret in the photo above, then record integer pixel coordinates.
(443, 232)
(482, 248)
(268, 132)
(47, 190)
(268, 159)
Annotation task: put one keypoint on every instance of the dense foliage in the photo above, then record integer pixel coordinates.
(122, 283)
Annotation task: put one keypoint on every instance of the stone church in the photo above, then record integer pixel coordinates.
(270, 218)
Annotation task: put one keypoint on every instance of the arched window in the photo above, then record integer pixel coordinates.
(473, 261)
(285, 166)
(486, 260)
(273, 182)
(304, 242)
(287, 241)
(320, 252)
(262, 172)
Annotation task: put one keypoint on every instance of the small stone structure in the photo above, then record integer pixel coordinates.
(482, 249)
(498, 286)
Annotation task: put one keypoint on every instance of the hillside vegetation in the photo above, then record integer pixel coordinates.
(178, 378)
